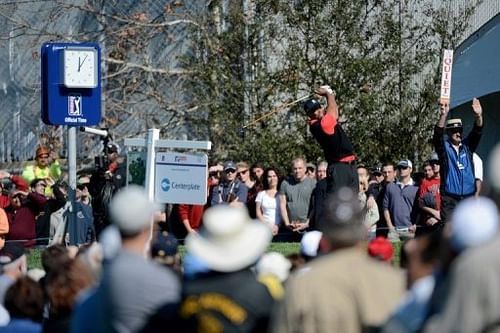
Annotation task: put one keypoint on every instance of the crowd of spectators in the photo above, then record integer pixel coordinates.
(121, 270)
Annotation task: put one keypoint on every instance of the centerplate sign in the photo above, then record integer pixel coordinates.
(181, 178)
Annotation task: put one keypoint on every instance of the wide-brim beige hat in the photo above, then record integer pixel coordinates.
(229, 240)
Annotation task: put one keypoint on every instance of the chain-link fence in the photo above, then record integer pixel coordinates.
(142, 43)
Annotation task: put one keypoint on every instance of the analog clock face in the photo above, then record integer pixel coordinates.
(80, 68)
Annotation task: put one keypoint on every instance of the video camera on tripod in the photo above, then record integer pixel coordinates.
(101, 161)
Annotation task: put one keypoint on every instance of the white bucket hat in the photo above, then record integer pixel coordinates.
(473, 222)
(274, 263)
(310, 243)
(229, 240)
(131, 210)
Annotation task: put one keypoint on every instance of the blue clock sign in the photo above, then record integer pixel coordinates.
(71, 83)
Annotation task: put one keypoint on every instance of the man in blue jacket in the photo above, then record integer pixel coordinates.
(455, 157)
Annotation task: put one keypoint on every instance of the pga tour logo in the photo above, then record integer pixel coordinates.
(75, 105)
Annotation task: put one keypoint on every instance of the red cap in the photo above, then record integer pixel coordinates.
(381, 248)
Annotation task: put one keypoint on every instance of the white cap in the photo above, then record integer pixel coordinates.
(405, 163)
(274, 263)
(131, 210)
(473, 222)
(310, 243)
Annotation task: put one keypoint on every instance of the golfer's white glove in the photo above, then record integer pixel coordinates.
(328, 88)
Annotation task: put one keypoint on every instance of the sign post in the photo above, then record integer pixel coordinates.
(71, 95)
(71, 84)
(152, 182)
(181, 178)
(152, 177)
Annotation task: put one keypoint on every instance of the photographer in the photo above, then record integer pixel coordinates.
(7, 181)
(107, 179)
(116, 169)
(325, 128)
(24, 206)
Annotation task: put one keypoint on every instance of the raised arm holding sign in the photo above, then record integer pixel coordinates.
(454, 151)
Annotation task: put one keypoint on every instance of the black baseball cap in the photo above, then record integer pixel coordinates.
(311, 105)
(164, 247)
(112, 148)
(376, 170)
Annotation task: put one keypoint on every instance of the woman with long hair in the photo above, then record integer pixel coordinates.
(268, 202)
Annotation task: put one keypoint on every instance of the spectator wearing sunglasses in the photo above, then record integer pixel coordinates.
(230, 191)
(214, 175)
(311, 170)
(455, 156)
(400, 210)
(254, 187)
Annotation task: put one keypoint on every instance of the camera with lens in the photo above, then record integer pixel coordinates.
(6, 185)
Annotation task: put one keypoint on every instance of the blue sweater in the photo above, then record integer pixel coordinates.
(399, 201)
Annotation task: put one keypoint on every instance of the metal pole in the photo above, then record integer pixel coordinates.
(72, 175)
(153, 136)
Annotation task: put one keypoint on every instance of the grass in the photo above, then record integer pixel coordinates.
(35, 258)
(34, 255)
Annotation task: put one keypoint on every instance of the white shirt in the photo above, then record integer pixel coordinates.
(478, 166)
(270, 207)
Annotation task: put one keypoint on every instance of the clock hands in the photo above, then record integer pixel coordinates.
(80, 64)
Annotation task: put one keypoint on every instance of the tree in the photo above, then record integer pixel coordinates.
(382, 58)
(205, 70)
(141, 42)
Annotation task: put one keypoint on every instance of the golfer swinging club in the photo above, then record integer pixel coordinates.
(338, 150)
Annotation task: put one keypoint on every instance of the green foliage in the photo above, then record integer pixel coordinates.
(137, 169)
(34, 257)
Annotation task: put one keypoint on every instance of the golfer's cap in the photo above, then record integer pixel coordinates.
(311, 105)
